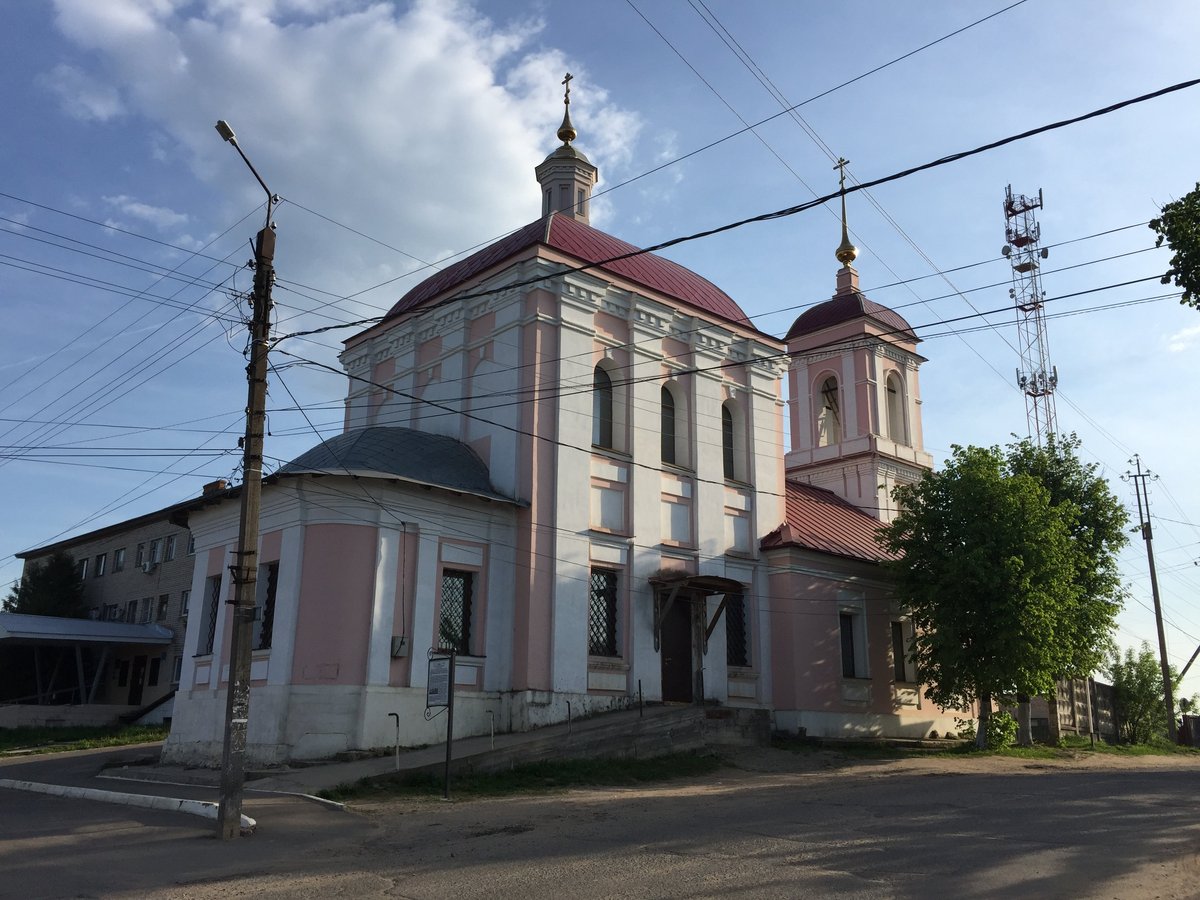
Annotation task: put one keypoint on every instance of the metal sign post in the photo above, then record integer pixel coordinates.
(440, 693)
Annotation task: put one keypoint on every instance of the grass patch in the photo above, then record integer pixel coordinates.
(59, 740)
(538, 777)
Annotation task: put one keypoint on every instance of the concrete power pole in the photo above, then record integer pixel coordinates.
(1139, 479)
(245, 567)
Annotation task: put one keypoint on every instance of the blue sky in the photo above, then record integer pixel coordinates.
(399, 134)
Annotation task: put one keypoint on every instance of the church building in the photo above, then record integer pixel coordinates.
(564, 459)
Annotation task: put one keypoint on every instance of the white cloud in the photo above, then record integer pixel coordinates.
(418, 125)
(158, 216)
(82, 96)
(1184, 339)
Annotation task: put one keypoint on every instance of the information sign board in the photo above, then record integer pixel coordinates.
(438, 690)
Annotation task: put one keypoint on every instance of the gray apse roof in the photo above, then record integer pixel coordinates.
(54, 630)
(399, 453)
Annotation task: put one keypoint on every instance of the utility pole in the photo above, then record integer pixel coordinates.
(1139, 479)
(245, 568)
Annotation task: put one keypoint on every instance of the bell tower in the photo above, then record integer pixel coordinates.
(854, 395)
(566, 175)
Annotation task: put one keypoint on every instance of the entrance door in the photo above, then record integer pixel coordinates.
(676, 650)
(136, 680)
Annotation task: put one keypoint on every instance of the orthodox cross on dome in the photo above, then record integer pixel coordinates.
(566, 131)
(846, 251)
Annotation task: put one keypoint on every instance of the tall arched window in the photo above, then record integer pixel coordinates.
(728, 442)
(668, 425)
(602, 409)
(895, 410)
(829, 416)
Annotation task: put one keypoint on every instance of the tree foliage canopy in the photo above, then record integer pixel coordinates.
(1007, 563)
(50, 588)
(1138, 698)
(1178, 223)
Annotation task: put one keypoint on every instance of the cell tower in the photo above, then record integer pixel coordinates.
(1036, 377)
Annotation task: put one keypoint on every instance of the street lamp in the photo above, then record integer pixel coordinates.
(244, 571)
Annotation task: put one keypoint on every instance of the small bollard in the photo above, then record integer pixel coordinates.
(396, 716)
(492, 717)
(568, 718)
(641, 705)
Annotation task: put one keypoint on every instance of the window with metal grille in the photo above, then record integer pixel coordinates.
(737, 644)
(602, 613)
(268, 579)
(454, 628)
(208, 625)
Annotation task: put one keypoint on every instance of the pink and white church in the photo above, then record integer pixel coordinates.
(566, 461)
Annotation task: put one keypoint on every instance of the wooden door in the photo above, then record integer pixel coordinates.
(676, 651)
(136, 680)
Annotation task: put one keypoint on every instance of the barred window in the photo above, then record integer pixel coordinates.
(737, 646)
(264, 600)
(208, 624)
(454, 629)
(602, 613)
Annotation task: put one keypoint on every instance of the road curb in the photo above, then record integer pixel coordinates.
(201, 808)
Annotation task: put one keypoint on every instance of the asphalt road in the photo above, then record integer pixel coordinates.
(859, 830)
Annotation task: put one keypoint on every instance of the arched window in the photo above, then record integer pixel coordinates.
(728, 442)
(829, 415)
(895, 410)
(602, 409)
(668, 425)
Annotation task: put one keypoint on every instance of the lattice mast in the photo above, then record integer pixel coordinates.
(1036, 377)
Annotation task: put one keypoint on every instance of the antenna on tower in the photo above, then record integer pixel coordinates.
(1036, 377)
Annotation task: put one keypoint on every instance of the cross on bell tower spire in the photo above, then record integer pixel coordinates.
(566, 175)
(846, 252)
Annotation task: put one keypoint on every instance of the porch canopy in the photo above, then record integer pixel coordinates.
(66, 635)
(694, 589)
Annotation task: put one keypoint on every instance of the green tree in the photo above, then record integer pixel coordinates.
(1138, 700)
(1178, 223)
(50, 588)
(1007, 583)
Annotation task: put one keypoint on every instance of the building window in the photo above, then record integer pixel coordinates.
(101, 565)
(668, 425)
(176, 670)
(602, 613)
(829, 417)
(728, 458)
(737, 643)
(169, 548)
(191, 550)
(156, 550)
(81, 568)
(184, 599)
(895, 410)
(155, 672)
(123, 673)
(130, 613)
(264, 604)
(110, 613)
(164, 603)
(144, 616)
(208, 624)
(602, 409)
(854, 644)
(903, 668)
(119, 559)
(140, 559)
(454, 627)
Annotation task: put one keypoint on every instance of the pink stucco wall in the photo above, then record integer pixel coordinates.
(334, 617)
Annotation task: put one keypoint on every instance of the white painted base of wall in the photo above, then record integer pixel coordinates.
(319, 721)
(864, 725)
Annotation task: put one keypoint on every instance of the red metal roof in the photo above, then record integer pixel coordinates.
(844, 308)
(817, 519)
(588, 245)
